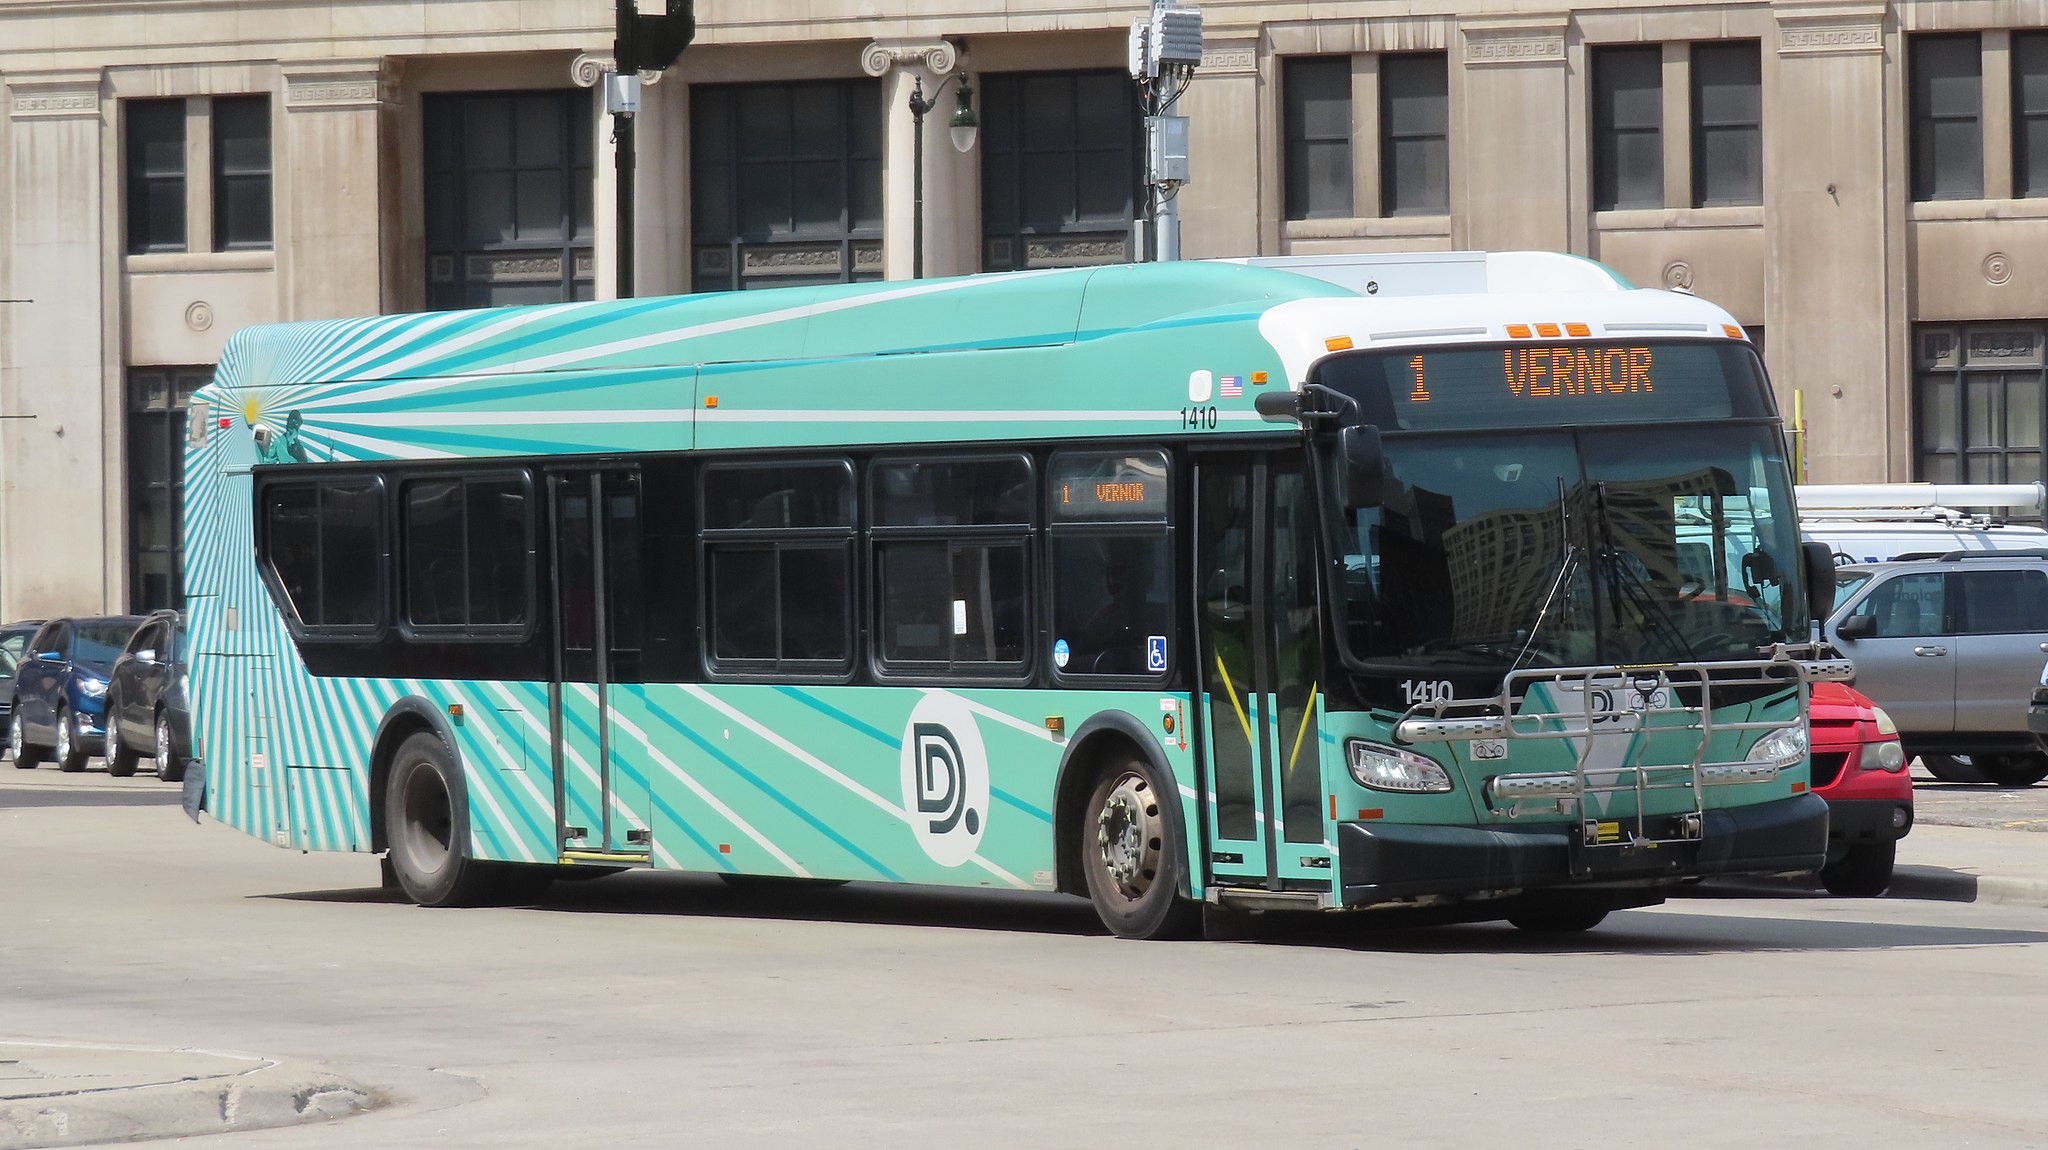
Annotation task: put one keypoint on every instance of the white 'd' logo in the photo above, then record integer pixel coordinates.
(945, 779)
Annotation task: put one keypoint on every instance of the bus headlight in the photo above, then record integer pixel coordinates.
(1783, 748)
(1385, 768)
(1885, 756)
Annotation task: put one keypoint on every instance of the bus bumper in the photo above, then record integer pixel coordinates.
(1380, 862)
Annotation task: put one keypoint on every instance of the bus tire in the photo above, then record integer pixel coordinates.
(1133, 856)
(427, 812)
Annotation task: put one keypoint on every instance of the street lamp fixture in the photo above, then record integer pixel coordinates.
(965, 127)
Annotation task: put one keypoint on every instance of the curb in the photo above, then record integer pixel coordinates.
(40, 1107)
(1941, 884)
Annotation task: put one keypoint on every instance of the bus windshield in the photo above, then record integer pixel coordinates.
(1591, 547)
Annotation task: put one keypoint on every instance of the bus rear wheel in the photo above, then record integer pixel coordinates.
(1133, 855)
(427, 817)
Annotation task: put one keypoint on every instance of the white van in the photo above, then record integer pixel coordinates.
(1879, 522)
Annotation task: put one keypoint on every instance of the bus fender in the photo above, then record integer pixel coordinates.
(405, 716)
(1078, 767)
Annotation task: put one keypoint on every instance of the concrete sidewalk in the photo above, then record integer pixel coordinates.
(1972, 864)
(65, 1095)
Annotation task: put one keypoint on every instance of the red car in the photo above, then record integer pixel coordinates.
(1860, 769)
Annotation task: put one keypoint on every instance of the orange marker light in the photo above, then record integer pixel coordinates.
(725, 848)
(1518, 331)
(1373, 813)
(1333, 808)
(455, 710)
(711, 401)
(1549, 330)
(1337, 343)
(1798, 788)
(1258, 379)
(1577, 329)
(1732, 331)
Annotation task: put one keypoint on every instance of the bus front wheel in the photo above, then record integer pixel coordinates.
(429, 828)
(1133, 855)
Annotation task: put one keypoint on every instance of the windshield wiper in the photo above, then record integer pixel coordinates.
(1567, 563)
(1638, 593)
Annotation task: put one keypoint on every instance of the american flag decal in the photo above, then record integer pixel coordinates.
(1230, 385)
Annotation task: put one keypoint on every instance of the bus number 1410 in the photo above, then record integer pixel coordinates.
(1426, 690)
(1198, 418)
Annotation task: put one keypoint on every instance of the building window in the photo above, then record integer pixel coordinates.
(1317, 126)
(1948, 108)
(1415, 125)
(786, 184)
(241, 173)
(156, 175)
(1628, 127)
(2030, 113)
(157, 401)
(1727, 124)
(1059, 168)
(1979, 402)
(508, 198)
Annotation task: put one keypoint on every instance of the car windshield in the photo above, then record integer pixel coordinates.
(101, 641)
(1846, 583)
(1491, 552)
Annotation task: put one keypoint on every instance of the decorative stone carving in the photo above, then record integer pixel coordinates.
(937, 56)
(55, 96)
(1229, 60)
(1815, 37)
(1494, 48)
(588, 69)
(339, 85)
(1998, 268)
(1678, 275)
(199, 317)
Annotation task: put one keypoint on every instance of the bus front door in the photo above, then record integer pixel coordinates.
(602, 802)
(1260, 651)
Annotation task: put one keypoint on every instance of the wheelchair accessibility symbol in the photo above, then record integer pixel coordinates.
(1155, 653)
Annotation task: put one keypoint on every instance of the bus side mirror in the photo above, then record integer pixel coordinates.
(1820, 580)
(1364, 465)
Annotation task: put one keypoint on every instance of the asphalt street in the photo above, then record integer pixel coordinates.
(667, 1010)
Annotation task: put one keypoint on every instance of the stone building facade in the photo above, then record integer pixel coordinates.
(1864, 184)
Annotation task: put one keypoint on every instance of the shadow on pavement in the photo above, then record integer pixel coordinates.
(24, 798)
(1666, 931)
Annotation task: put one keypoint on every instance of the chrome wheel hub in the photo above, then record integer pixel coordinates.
(1128, 837)
(64, 737)
(163, 746)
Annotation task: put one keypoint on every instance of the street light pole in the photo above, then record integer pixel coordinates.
(965, 126)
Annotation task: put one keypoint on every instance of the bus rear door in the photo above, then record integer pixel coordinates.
(601, 795)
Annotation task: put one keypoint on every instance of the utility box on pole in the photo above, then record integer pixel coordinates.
(1165, 49)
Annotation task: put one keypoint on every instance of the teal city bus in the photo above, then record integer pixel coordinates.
(1465, 581)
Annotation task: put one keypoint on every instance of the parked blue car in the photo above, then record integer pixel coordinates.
(14, 639)
(60, 690)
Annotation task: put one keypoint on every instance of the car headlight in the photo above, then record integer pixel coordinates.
(92, 688)
(1884, 756)
(1885, 725)
(1786, 747)
(1385, 768)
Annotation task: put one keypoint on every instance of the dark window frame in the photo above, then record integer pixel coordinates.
(1008, 225)
(446, 177)
(1025, 536)
(1160, 527)
(1298, 75)
(301, 631)
(1964, 384)
(1610, 135)
(465, 632)
(2029, 122)
(228, 174)
(1713, 64)
(1438, 202)
(155, 429)
(1930, 180)
(775, 540)
(141, 179)
(720, 247)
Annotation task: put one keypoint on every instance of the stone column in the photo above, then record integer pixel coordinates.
(1833, 299)
(1223, 208)
(952, 181)
(331, 242)
(1514, 189)
(56, 374)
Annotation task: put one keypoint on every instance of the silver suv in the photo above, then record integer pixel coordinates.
(1952, 647)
